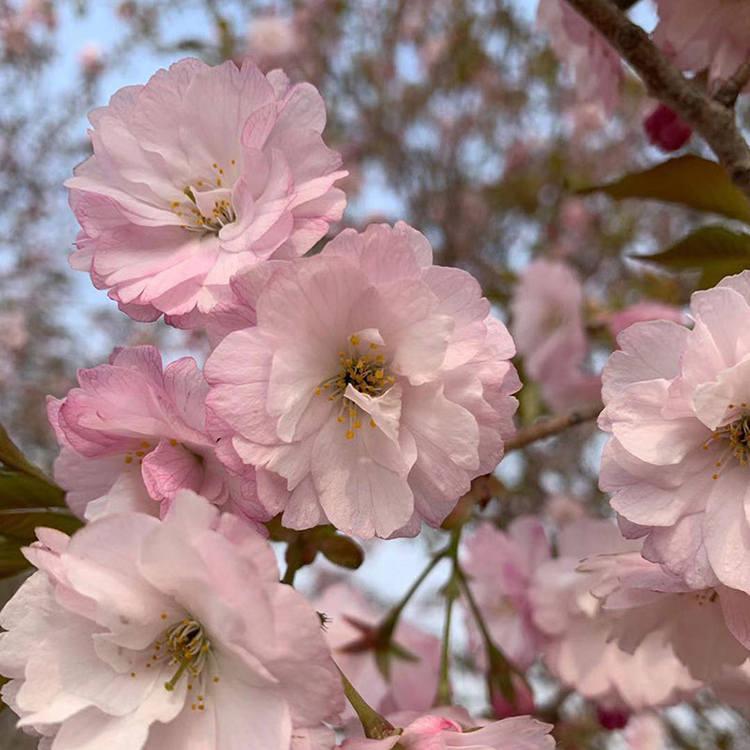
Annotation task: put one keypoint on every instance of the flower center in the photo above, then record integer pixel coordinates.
(188, 647)
(185, 646)
(208, 207)
(365, 372)
(736, 435)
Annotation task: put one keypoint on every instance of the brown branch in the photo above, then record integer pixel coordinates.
(712, 119)
(552, 426)
(732, 87)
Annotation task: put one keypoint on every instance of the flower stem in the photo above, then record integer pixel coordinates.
(500, 669)
(444, 695)
(375, 726)
(388, 625)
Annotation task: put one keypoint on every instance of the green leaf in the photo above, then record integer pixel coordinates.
(713, 250)
(23, 491)
(687, 180)
(12, 457)
(12, 560)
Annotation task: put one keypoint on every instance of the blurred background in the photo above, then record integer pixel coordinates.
(453, 115)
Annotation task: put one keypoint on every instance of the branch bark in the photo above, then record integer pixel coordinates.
(712, 119)
(552, 426)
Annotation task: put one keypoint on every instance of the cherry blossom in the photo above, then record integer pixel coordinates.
(144, 634)
(705, 34)
(134, 433)
(548, 329)
(501, 565)
(594, 62)
(373, 389)
(201, 173)
(676, 463)
(707, 628)
(578, 649)
(449, 727)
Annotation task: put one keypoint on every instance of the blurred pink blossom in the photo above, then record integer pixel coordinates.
(91, 60)
(705, 34)
(578, 649)
(413, 679)
(271, 39)
(640, 312)
(706, 628)
(500, 565)
(595, 64)
(547, 325)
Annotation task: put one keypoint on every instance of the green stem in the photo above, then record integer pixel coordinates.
(388, 625)
(499, 665)
(444, 694)
(293, 563)
(375, 726)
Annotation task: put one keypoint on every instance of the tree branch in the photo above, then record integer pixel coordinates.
(552, 426)
(712, 119)
(730, 89)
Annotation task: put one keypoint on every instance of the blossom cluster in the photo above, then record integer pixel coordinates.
(355, 387)
(362, 387)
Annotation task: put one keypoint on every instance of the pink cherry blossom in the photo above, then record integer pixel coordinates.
(677, 413)
(578, 649)
(708, 629)
(134, 433)
(705, 34)
(373, 389)
(640, 312)
(501, 565)
(453, 727)
(143, 634)
(201, 173)
(595, 64)
(645, 732)
(271, 38)
(548, 328)
(412, 681)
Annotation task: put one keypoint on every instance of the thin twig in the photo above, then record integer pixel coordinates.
(714, 121)
(552, 426)
(732, 87)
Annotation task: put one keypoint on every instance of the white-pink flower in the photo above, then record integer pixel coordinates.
(500, 565)
(678, 413)
(201, 173)
(708, 629)
(271, 38)
(595, 64)
(711, 35)
(143, 634)
(134, 433)
(413, 670)
(549, 332)
(452, 727)
(373, 389)
(578, 649)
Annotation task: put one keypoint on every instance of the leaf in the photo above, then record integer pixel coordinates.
(686, 180)
(713, 250)
(12, 457)
(12, 560)
(23, 491)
